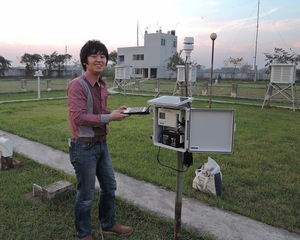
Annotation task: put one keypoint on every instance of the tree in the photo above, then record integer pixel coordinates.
(200, 71)
(246, 68)
(174, 60)
(77, 63)
(113, 57)
(200, 67)
(108, 73)
(60, 61)
(49, 61)
(4, 65)
(235, 62)
(280, 56)
(31, 61)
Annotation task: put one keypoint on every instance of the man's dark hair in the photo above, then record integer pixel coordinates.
(92, 47)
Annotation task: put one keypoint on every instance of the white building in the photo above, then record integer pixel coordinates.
(150, 60)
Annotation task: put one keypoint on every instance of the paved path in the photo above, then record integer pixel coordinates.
(223, 225)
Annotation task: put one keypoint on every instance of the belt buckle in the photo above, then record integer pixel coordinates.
(101, 138)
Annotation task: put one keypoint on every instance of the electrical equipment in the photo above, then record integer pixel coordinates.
(171, 138)
(169, 117)
(179, 127)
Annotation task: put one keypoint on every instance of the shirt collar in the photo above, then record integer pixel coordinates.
(92, 81)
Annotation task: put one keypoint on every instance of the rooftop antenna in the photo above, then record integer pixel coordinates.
(137, 33)
(66, 52)
(257, 23)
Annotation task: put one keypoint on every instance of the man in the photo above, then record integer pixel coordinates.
(89, 155)
(219, 78)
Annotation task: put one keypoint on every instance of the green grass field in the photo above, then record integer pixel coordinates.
(22, 218)
(260, 179)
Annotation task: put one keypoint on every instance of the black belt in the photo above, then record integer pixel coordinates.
(94, 139)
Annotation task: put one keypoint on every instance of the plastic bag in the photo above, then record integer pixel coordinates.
(208, 178)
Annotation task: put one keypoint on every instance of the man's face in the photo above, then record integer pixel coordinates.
(96, 63)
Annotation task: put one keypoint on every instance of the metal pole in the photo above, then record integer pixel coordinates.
(180, 158)
(211, 74)
(213, 37)
(178, 200)
(255, 56)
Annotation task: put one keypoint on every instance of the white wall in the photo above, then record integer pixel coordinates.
(155, 55)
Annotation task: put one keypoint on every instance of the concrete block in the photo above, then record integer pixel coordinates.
(137, 85)
(23, 85)
(157, 86)
(234, 90)
(48, 83)
(204, 88)
(55, 189)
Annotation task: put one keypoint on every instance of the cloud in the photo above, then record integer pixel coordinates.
(296, 44)
(283, 25)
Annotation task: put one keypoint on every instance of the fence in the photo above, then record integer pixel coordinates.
(28, 85)
(201, 88)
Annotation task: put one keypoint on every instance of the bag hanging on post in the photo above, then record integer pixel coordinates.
(208, 178)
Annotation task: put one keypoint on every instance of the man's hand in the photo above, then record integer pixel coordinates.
(118, 115)
(122, 108)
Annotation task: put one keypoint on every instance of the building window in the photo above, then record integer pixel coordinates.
(121, 58)
(163, 42)
(138, 57)
(175, 44)
(138, 71)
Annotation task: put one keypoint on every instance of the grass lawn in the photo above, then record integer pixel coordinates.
(260, 179)
(22, 218)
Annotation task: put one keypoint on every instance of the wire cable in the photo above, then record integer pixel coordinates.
(167, 165)
(275, 28)
(240, 32)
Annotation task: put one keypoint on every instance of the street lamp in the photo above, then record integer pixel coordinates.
(213, 37)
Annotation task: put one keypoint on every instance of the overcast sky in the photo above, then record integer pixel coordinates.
(35, 26)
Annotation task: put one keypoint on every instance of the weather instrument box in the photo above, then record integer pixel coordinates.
(191, 129)
(283, 73)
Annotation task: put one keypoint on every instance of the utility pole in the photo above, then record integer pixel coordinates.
(257, 23)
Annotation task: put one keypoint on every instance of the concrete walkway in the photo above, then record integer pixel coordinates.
(223, 225)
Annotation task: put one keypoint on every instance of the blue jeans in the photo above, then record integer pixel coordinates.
(90, 160)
